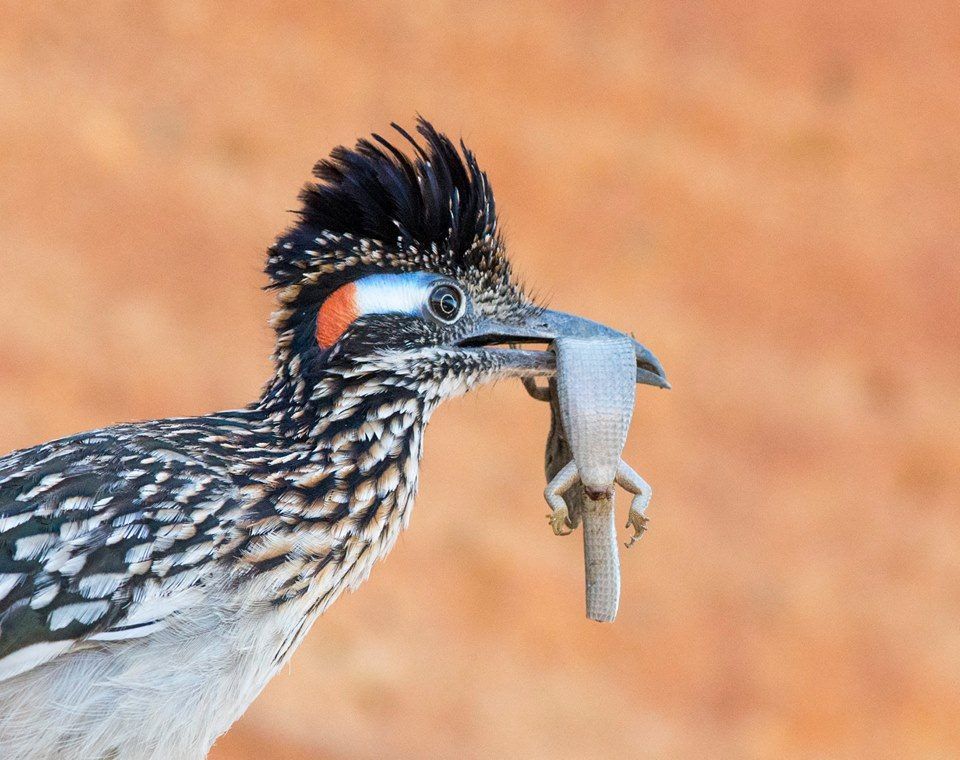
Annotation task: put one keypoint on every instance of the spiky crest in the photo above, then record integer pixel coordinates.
(376, 207)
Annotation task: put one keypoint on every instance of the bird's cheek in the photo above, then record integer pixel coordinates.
(336, 314)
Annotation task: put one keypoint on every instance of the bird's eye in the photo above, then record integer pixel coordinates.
(446, 303)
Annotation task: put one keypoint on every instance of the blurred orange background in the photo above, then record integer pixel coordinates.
(769, 198)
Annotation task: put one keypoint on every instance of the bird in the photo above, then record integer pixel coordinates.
(155, 575)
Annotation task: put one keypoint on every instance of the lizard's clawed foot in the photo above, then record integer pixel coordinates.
(638, 522)
(560, 522)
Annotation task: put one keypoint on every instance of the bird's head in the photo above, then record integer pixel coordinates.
(396, 273)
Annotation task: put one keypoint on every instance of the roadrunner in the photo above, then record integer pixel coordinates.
(154, 576)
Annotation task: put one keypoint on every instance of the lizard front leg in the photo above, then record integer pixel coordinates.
(562, 481)
(630, 481)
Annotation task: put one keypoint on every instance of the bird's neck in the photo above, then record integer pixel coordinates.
(339, 487)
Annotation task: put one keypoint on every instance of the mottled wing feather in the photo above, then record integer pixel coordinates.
(103, 535)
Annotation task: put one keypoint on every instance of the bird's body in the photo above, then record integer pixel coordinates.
(211, 504)
(189, 557)
(154, 576)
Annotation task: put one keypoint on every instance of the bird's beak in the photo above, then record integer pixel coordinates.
(501, 339)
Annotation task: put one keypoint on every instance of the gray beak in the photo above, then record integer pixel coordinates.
(503, 338)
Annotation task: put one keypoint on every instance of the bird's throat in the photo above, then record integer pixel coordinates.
(337, 500)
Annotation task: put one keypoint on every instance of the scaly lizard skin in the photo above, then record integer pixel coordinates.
(591, 403)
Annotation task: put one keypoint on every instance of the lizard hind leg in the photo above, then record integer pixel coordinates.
(559, 514)
(630, 481)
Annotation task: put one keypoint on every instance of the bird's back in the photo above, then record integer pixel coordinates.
(109, 587)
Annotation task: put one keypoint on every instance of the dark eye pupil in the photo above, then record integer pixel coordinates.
(445, 302)
(448, 304)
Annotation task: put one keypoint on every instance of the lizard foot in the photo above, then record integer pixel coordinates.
(638, 522)
(560, 522)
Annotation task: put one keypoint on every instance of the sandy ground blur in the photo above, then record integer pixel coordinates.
(768, 198)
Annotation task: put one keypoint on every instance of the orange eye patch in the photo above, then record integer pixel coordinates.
(336, 315)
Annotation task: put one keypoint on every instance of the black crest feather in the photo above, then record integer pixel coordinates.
(429, 205)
